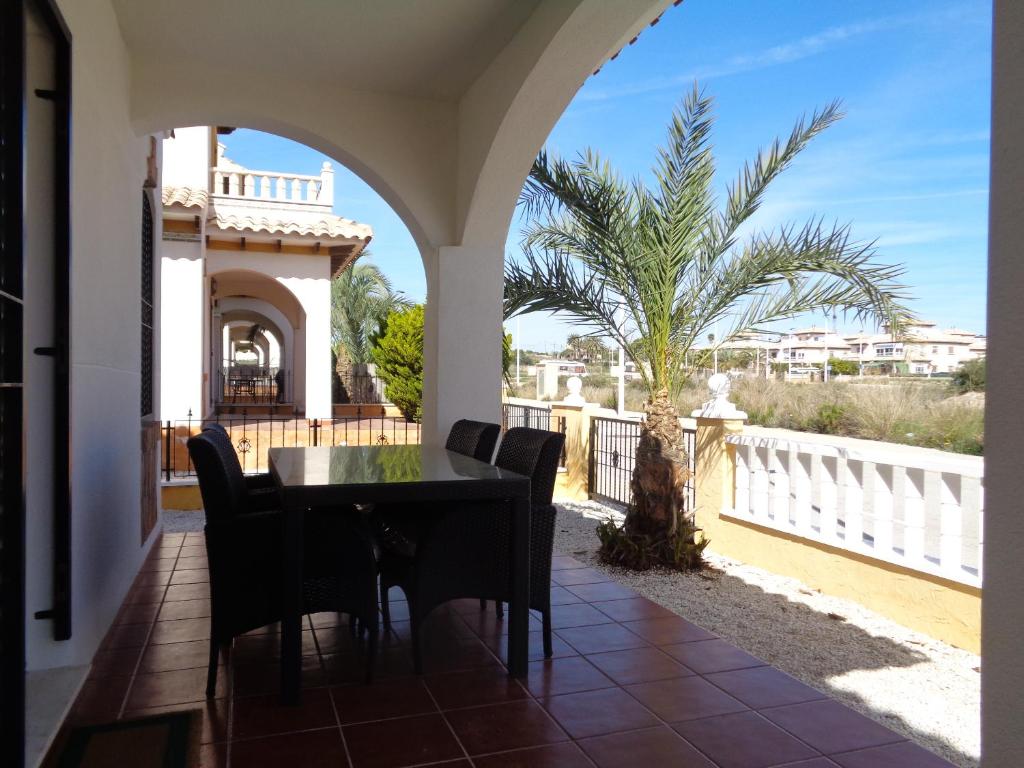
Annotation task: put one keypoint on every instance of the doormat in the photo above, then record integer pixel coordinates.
(161, 741)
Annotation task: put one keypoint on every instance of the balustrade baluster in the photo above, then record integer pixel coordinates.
(827, 482)
(233, 184)
(249, 188)
(882, 477)
(913, 515)
(281, 193)
(951, 543)
(853, 504)
(743, 478)
(800, 495)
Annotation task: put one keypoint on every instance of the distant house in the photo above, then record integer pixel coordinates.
(247, 261)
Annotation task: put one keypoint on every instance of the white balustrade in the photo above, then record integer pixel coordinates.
(231, 181)
(917, 508)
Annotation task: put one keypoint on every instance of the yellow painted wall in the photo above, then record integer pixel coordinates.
(180, 497)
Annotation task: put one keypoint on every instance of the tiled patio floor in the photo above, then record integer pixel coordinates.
(631, 684)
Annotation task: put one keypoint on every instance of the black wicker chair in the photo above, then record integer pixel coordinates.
(464, 552)
(244, 549)
(473, 438)
(260, 482)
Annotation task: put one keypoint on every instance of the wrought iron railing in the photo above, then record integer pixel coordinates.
(535, 417)
(613, 444)
(252, 436)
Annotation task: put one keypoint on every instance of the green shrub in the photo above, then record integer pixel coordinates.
(970, 377)
(830, 419)
(398, 353)
(841, 367)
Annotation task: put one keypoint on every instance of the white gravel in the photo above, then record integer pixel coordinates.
(917, 686)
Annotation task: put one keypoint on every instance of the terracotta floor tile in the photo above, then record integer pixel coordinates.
(256, 716)
(562, 596)
(188, 592)
(266, 648)
(170, 538)
(705, 656)
(126, 636)
(565, 562)
(760, 687)
(743, 740)
(180, 631)
(384, 699)
(576, 615)
(601, 638)
(904, 755)
(152, 594)
(559, 648)
(199, 562)
(572, 576)
(214, 713)
(638, 665)
(563, 755)
(310, 749)
(659, 746)
(184, 609)
(180, 686)
(349, 668)
(594, 713)
(153, 578)
(499, 727)
(193, 550)
(633, 609)
(158, 564)
(164, 658)
(265, 679)
(684, 698)
(138, 613)
(669, 629)
(116, 662)
(213, 756)
(831, 727)
(406, 741)
(100, 700)
(190, 576)
(336, 639)
(471, 688)
(569, 675)
(608, 590)
(486, 624)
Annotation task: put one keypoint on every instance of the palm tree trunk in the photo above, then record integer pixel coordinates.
(659, 474)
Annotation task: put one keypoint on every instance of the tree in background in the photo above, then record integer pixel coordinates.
(361, 299)
(970, 377)
(669, 259)
(840, 367)
(398, 353)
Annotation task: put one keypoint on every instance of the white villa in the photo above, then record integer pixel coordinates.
(923, 350)
(246, 263)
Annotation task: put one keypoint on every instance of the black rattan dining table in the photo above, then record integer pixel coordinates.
(326, 476)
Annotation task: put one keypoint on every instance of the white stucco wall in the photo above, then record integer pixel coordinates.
(308, 278)
(181, 316)
(108, 171)
(1002, 621)
(187, 157)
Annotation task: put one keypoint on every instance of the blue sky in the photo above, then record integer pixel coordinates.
(907, 166)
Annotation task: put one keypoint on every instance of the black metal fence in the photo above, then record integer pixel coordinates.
(613, 444)
(253, 436)
(534, 417)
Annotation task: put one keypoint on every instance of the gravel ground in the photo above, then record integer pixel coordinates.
(917, 686)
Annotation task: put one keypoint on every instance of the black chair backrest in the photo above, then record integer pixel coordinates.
(534, 453)
(220, 477)
(216, 427)
(473, 438)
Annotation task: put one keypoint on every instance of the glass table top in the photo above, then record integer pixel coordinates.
(378, 465)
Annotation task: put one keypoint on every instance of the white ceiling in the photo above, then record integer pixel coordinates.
(418, 48)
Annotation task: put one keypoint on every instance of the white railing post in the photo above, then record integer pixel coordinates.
(233, 184)
(218, 183)
(951, 530)
(853, 503)
(743, 478)
(249, 188)
(913, 515)
(800, 491)
(825, 473)
(281, 193)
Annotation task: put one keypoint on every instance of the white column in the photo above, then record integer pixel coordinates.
(315, 296)
(181, 338)
(462, 344)
(1002, 738)
(326, 195)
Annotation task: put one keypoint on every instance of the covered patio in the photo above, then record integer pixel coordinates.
(441, 107)
(630, 683)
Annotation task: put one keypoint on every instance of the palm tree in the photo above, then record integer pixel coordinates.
(361, 299)
(671, 263)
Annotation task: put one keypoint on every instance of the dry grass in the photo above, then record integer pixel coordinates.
(923, 413)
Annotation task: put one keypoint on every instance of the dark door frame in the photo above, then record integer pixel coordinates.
(13, 98)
